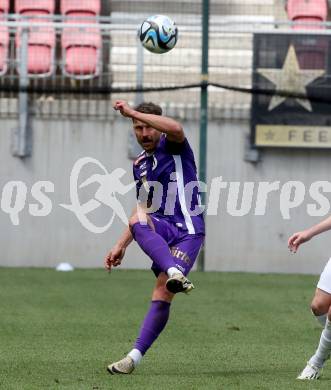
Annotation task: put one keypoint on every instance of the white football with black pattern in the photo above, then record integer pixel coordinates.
(158, 34)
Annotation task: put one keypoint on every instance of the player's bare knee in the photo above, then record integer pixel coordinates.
(161, 293)
(133, 219)
(318, 307)
(140, 217)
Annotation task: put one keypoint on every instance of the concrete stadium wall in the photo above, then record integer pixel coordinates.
(246, 243)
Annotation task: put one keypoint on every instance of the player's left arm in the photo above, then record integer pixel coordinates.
(164, 124)
(115, 256)
(301, 237)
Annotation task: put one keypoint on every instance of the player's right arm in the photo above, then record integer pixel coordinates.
(164, 124)
(115, 256)
(300, 237)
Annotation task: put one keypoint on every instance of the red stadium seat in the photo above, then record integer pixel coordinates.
(313, 57)
(307, 11)
(44, 6)
(92, 7)
(4, 43)
(4, 6)
(81, 47)
(4, 38)
(310, 11)
(41, 41)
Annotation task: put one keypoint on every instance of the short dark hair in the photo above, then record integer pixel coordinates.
(149, 108)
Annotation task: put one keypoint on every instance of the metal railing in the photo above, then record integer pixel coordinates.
(123, 65)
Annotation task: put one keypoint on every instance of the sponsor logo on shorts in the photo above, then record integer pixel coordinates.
(180, 267)
(178, 254)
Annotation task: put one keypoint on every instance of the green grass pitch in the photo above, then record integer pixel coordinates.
(235, 331)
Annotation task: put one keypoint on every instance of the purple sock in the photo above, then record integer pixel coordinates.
(153, 324)
(153, 245)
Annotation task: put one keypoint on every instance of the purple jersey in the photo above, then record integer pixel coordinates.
(177, 197)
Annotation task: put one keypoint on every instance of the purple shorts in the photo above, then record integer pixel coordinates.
(183, 246)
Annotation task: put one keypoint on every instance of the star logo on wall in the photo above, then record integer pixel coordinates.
(269, 135)
(292, 79)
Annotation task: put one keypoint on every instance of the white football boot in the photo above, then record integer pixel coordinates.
(310, 372)
(124, 366)
(179, 283)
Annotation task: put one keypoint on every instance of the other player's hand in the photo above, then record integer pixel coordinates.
(123, 107)
(114, 257)
(297, 239)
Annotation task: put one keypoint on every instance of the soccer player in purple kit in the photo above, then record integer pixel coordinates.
(173, 234)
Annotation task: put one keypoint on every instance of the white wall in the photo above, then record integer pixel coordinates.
(259, 243)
